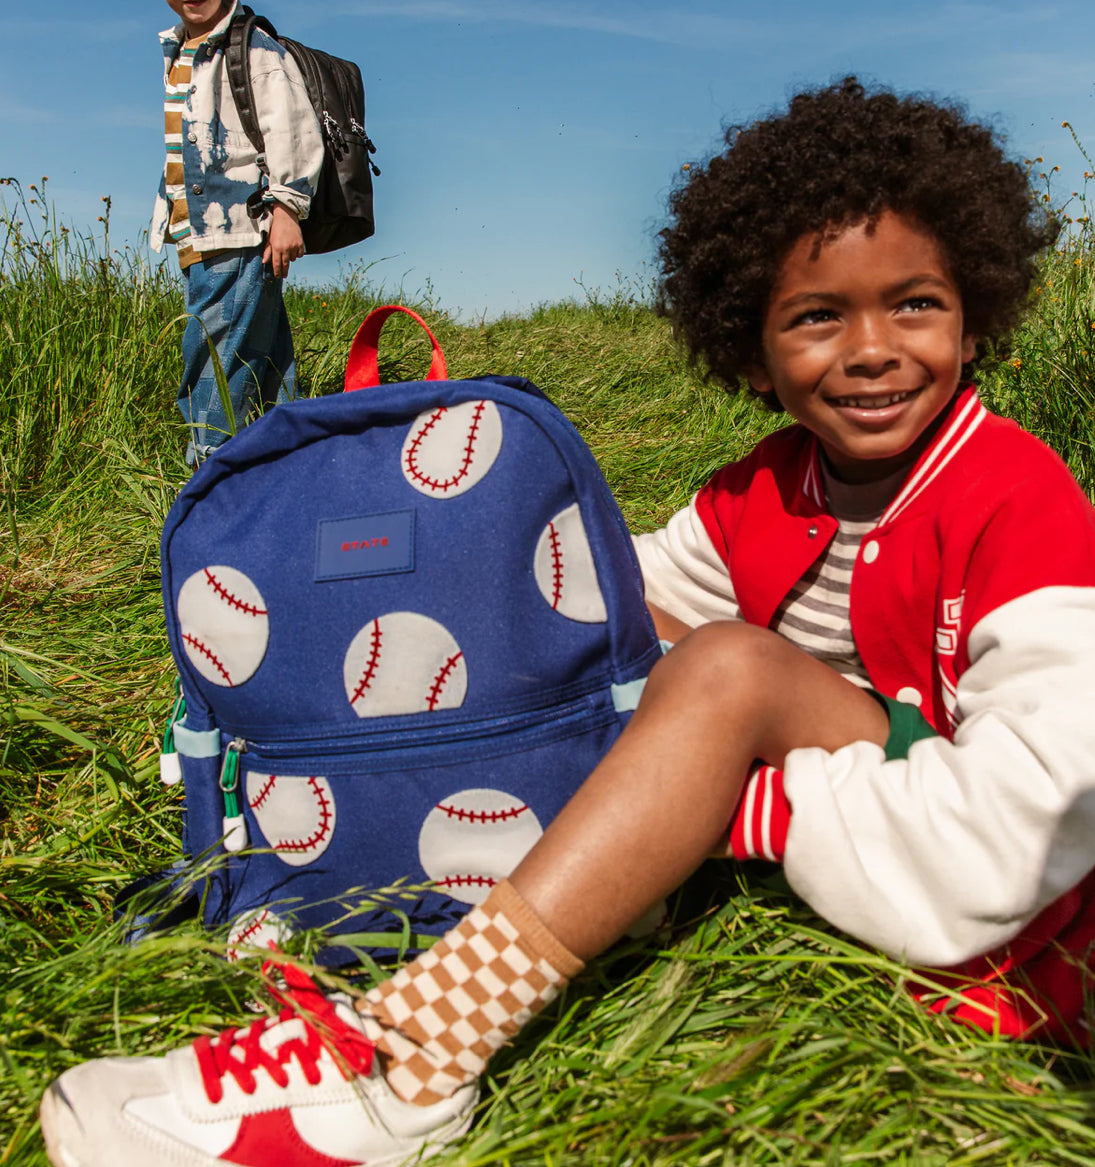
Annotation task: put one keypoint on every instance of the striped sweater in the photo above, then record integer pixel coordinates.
(176, 88)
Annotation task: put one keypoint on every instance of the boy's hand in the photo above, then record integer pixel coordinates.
(284, 242)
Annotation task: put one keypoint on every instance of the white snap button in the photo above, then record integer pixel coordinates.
(870, 551)
(909, 696)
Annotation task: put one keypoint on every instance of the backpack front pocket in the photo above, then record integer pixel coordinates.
(329, 823)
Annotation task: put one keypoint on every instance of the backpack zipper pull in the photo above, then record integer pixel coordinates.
(332, 131)
(370, 150)
(233, 826)
(170, 767)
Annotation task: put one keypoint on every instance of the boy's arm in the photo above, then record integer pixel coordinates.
(950, 852)
(685, 578)
(290, 129)
(668, 627)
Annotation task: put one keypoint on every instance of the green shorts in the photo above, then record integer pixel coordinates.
(907, 725)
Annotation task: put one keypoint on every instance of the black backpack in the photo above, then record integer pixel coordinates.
(342, 207)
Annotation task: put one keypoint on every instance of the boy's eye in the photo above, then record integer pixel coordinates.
(814, 316)
(919, 303)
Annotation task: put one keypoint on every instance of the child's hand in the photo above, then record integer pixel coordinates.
(284, 243)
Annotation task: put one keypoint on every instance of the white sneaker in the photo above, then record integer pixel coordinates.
(302, 1091)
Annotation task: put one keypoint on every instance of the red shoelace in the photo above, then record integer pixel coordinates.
(239, 1052)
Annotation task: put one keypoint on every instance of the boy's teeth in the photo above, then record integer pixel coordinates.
(871, 402)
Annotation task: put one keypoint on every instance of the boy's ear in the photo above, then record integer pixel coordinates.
(757, 376)
(969, 347)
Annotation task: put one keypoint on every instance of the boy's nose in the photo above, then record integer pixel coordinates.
(870, 348)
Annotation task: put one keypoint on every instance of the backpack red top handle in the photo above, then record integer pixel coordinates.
(362, 367)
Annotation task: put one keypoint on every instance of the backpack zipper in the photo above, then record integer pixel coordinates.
(397, 736)
(392, 742)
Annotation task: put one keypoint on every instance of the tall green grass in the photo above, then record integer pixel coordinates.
(745, 1033)
(81, 363)
(1047, 381)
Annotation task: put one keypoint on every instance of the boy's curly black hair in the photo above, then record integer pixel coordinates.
(840, 155)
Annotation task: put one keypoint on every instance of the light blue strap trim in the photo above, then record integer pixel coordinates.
(192, 744)
(626, 697)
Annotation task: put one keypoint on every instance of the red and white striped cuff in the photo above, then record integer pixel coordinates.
(759, 827)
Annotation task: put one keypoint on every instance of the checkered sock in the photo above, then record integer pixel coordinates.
(437, 1022)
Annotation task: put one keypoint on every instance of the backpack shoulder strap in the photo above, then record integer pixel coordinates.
(237, 61)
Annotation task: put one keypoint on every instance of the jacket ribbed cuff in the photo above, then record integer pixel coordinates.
(759, 827)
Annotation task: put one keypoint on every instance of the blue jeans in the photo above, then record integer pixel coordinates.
(235, 304)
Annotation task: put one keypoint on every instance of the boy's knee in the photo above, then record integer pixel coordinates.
(718, 654)
(733, 643)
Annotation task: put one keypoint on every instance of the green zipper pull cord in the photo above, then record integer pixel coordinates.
(233, 826)
(170, 768)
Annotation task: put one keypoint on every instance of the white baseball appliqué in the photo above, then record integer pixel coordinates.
(449, 449)
(223, 624)
(404, 662)
(257, 930)
(474, 838)
(564, 569)
(296, 815)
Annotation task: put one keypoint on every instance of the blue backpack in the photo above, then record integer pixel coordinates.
(408, 623)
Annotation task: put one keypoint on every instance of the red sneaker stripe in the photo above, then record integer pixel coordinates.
(272, 1137)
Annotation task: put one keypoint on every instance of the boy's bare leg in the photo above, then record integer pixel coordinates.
(660, 801)
(648, 815)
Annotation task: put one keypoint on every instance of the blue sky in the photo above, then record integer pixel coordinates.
(528, 147)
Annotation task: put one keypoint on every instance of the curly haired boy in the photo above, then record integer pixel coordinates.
(883, 673)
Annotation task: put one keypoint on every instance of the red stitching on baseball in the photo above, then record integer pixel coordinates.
(411, 465)
(371, 664)
(321, 832)
(231, 600)
(481, 816)
(208, 653)
(251, 929)
(556, 566)
(264, 793)
(466, 881)
(434, 694)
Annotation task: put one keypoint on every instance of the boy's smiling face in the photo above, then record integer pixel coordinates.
(199, 16)
(864, 344)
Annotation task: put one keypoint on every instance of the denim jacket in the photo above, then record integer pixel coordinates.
(219, 161)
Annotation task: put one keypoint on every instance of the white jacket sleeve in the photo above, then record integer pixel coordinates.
(948, 854)
(682, 572)
(290, 128)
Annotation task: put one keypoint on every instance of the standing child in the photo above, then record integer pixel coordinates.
(232, 264)
(890, 604)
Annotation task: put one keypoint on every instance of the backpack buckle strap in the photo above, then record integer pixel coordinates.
(193, 743)
(625, 698)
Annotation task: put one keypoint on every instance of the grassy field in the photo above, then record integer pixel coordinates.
(747, 1033)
